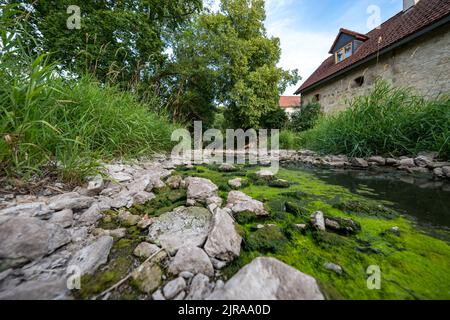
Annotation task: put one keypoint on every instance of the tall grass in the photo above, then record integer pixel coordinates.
(388, 121)
(50, 122)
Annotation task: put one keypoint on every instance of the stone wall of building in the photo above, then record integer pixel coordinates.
(423, 65)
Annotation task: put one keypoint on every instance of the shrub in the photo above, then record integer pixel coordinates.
(388, 121)
(275, 119)
(289, 140)
(305, 118)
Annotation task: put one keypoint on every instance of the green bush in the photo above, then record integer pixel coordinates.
(305, 118)
(388, 121)
(275, 119)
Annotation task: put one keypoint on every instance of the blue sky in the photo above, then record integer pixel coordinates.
(307, 28)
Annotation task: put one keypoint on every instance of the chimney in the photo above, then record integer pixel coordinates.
(408, 4)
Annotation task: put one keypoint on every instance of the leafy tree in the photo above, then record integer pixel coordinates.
(227, 58)
(119, 41)
(306, 117)
(275, 119)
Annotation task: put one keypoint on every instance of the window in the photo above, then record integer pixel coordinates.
(359, 81)
(316, 98)
(344, 53)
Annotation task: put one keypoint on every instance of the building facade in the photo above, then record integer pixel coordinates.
(412, 49)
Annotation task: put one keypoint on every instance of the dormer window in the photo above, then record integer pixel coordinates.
(344, 53)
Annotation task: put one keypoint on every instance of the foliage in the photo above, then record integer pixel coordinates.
(387, 121)
(290, 140)
(119, 41)
(226, 58)
(275, 119)
(54, 124)
(306, 117)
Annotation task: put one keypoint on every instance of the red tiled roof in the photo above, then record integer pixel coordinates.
(399, 27)
(358, 36)
(289, 102)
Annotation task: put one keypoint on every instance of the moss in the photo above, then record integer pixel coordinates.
(295, 208)
(123, 243)
(246, 217)
(267, 239)
(279, 183)
(362, 208)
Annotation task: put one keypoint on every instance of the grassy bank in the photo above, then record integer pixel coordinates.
(388, 121)
(53, 124)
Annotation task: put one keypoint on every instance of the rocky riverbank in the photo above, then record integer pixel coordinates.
(424, 163)
(45, 240)
(161, 229)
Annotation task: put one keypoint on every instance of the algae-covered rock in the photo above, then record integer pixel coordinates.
(181, 227)
(279, 183)
(342, 225)
(147, 277)
(366, 209)
(267, 239)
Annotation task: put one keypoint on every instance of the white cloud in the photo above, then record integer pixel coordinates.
(301, 49)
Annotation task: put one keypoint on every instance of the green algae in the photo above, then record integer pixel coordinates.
(414, 265)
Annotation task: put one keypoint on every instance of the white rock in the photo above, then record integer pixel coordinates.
(235, 183)
(224, 243)
(174, 287)
(269, 279)
(91, 215)
(145, 250)
(199, 189)
(143, 197)
(28, 210)
(239, 202)
(63, 218)
(265, 174)
(25, 239)
(96, 185)
(181, 227)
(191, 259)
(200, 288)
(90, 258)
(148, 277)
(318, 220)
(158, 296)
(71, 200)
(333, 267)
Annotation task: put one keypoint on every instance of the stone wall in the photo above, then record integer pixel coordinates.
(423, 65)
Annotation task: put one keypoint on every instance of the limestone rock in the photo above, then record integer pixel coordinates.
(143, 197)
(191, 259)
(269, 279)
(279, 183)
(174, 287)
(145, 250)
(158, 296)
(96, 185)
(174, 182)
(318, 220)
(227, 167)
(265, 174)
(239, 202)
(71, 200)
(91, 215)
(48, 289)
(423, 161)
(342, 225)
(377, 160)
(407, 163)
(359, 163)
(446, 171)
(128, 219)
(28, 210)
(224, 243)
(333, 267)
(199, 189)
(26, 239)
(200, 288)
(147, 277)
(62, 218)
(235, 183)
(181, 227)
(90, 258)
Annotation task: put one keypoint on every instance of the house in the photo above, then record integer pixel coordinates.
(412, 49)
(290, 104)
